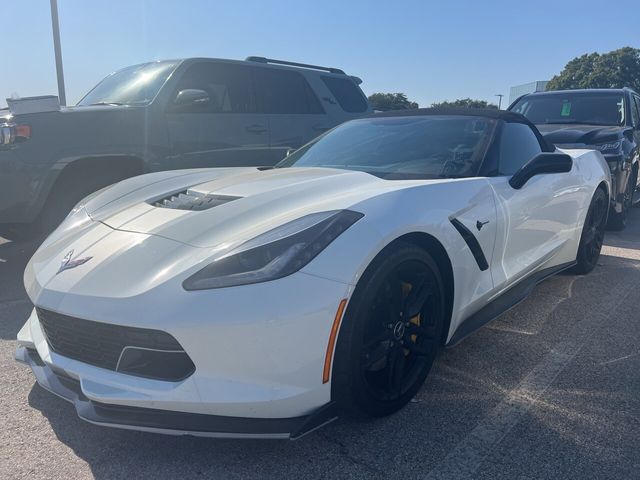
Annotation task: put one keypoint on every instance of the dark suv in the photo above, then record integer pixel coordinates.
(164, 115)
(604, 119)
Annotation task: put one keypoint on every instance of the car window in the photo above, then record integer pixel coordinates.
(347, 93)
(229, 87)
(635, 111)
(136, 85)
(577, 108)
(398, 148)
(284, 91)
(518, 145)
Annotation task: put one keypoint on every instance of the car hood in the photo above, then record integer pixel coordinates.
(560, 134)
(244, 201)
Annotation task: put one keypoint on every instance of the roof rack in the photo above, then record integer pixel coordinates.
(294, 64)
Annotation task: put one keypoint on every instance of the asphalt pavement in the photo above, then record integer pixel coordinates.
(551, 389)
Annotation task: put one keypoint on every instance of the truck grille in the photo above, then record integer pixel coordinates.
(190, 200)
(102, 344)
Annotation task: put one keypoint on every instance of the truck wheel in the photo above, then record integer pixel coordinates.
(618, 221)
(75, 183)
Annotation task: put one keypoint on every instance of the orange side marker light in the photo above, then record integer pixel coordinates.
(326, 374)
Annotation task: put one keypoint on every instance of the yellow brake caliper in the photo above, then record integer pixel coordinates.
(406, 288)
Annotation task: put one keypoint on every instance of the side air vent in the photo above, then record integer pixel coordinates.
(190, 200)
(472, 243)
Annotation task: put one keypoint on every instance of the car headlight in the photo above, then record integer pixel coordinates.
(276, 253)
(609, 147)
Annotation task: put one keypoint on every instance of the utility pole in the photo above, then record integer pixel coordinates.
(58, 52)
(499, 95)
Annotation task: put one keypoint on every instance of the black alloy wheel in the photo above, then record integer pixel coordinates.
(592, 233)
(391, 333)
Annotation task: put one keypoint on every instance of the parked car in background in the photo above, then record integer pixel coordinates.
(164, 115)
(607, 120)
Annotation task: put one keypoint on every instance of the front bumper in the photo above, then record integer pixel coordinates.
(258, 351)
(167, 422)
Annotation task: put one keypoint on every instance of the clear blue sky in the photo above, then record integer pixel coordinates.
(431, 50)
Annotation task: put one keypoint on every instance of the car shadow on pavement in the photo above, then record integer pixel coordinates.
(14, 302)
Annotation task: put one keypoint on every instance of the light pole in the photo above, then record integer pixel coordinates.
(499, 95)
(58, 52)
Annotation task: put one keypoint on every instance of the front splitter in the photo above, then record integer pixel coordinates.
(170, 422)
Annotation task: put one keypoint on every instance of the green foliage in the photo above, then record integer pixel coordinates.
(616, 69)
(465, 103)
(391, 101)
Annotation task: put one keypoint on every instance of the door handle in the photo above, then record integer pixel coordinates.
(256, 128)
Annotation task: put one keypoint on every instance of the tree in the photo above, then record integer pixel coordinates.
(616, 69)
(465, 103)
(391, 101)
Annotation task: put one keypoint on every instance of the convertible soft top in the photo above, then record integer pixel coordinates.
(504, 115)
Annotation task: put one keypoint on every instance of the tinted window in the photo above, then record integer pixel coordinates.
(228, 86)
(347, 94)
(518, 145)
(401, 147)
(135, 85)
(284, 91)
(588, 108)
(635, 110)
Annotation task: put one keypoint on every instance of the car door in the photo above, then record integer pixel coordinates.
(537, 220)
(294, 112)
(635, 114)
(223, 129)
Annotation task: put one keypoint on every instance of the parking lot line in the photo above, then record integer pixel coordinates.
(466, 458)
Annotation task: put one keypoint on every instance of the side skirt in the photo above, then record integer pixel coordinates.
(504, 302)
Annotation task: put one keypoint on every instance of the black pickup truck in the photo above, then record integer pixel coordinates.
(164, 115)
(607, 120)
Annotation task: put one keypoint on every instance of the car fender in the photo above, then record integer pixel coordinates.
(424, 209)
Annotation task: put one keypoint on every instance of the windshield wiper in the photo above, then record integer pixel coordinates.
(114, 104)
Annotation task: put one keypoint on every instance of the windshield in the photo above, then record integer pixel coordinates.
(397, 148)
(586, 108)
(135, 85)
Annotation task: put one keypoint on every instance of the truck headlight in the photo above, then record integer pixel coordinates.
(276, 253)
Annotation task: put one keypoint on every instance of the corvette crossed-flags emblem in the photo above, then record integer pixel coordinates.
(68, 262)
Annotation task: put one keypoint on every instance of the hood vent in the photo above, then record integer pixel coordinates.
(190, 200)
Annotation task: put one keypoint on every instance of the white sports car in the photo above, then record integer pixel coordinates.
(260, 303)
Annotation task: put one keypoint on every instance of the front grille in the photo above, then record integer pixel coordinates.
(101, 344)
(190, 200)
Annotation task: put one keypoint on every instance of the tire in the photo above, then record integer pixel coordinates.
(592, 234)
(618, 221)
(75, 183)
(16, 232)
(634, 188)
(382, 357)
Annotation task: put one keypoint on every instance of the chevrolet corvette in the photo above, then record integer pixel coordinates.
(253, 302)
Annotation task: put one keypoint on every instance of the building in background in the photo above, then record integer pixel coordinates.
(519, 90)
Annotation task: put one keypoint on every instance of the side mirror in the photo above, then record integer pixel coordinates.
(542, 163)
(191, 96)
